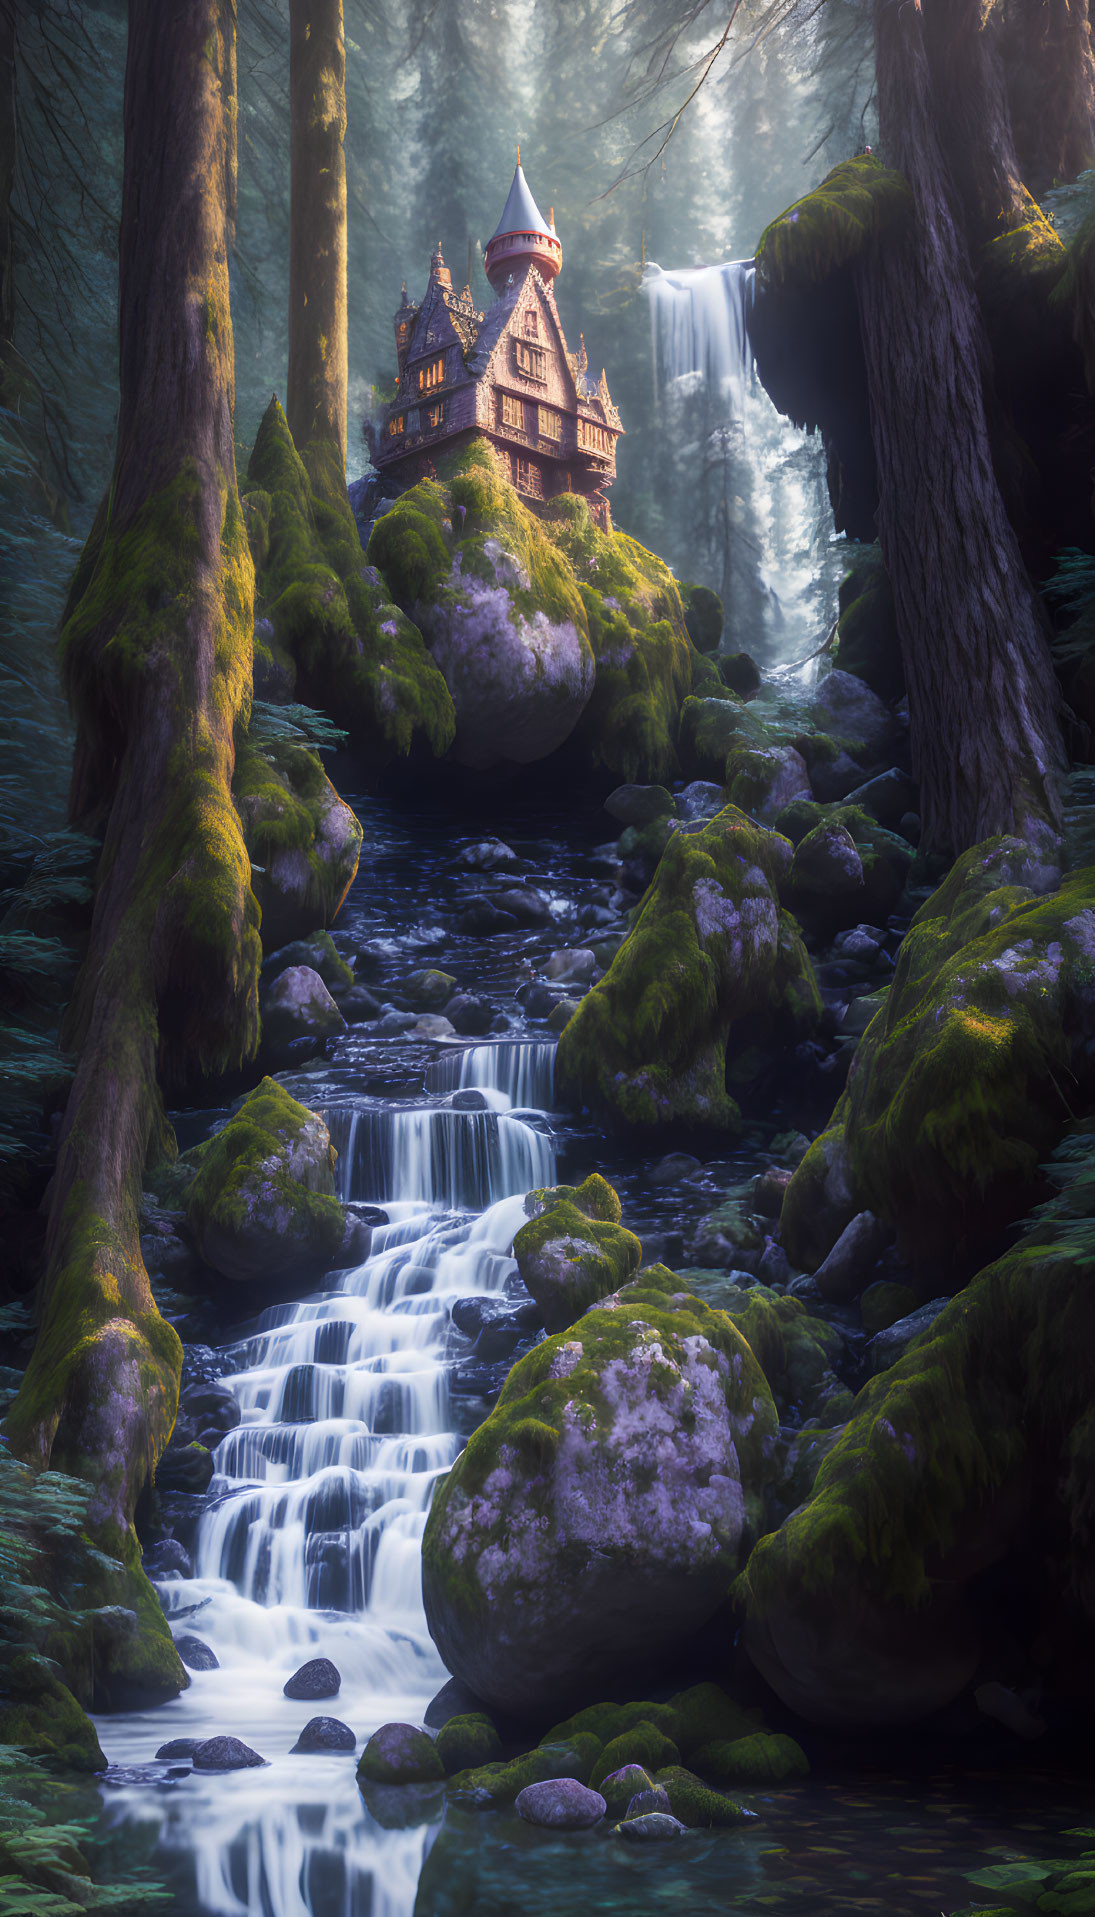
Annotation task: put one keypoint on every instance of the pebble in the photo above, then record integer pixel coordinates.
(225, 1754)
(653, 1827)
(196, 1653)
(560, 1803)
(318, 1678)
(325, 1734)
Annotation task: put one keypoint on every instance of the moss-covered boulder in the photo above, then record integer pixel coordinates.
(596, 1516)
(703, 616)
(323, 608)
(696, 1804)
(866, 636)
(712, 728)
(712, 971)
(764, 1757)
(261, 1202)
(400, 1754)
(574, 1250)
(498, 606)
(302, 839)
(645, 664)
(868, 1606)
(955, 1095)
(467, 1741)
(795, 1351)
(832, 226)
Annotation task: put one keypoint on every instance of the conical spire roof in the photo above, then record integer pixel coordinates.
(520, 213)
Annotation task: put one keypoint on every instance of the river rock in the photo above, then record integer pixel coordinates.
(196, 1654)
(179, 1747)
(833, 776)
(887, 797)
(848, 1266)
(317, 1679)
(488, 855)
(298, 1005)
(741, 673)
(620, 1786)
(653, 1827)
(524, 904)
(225, 1754)
(433, 1025)
(701, 800)
(574, 965)
(574, 1249)
(560, 1803)
(887, 1346)
(304, 841)
(588, 1525)
(184, 1467)
(167, 1559)
(845, 707)
(358, 1005)
(712, 729)
(262, 1205)
(469, 1015)
(765, 779)
(483, 918)
(429, 990)
(400, 1754)
(826, 883)
(325, 1734)
(639, 804)
(319, 953)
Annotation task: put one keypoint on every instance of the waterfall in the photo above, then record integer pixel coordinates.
(309, 1539)
(747, 504)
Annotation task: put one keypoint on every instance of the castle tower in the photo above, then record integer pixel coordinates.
(522, 238)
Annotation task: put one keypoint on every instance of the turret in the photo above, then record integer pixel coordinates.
(522, 238)
(404, 327)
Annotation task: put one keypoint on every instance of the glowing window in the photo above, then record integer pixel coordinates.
(432, 374)
(435, 414)
(395, 426)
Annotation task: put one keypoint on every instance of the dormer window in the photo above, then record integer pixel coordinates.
(529, 360)
(432, 374)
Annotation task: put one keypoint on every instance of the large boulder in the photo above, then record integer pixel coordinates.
(596, 1517)
(498, 607)
(955, 1095)
(870, 1605)
(712, 972)
(303, 840)
(574, 1249)
(261, 1203)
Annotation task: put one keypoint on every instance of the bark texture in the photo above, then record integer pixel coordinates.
(973, 115)
(983, 702)
(156, 652)
(1051, 75)
(316, 392)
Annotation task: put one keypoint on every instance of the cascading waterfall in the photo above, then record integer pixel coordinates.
(309, 1541)
(758, 522)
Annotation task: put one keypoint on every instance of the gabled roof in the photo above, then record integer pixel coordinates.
(520, 213)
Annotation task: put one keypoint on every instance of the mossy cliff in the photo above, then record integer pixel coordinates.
(548, 631)
(711, 970)
(324, 614)
(598, 1514)
(956, 1093)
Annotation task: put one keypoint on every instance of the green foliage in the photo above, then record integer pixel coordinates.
(32, 1069)
(293, 725)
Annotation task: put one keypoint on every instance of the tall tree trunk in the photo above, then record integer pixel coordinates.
(982, 695)
(1051, 76)
(316, 392)
(156, 652)
(973, 115)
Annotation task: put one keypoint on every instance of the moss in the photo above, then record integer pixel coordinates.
(794, 1350)
(703, 616)
(609, 1721)
(710, 968)
(714, 727)
(763, 1757)
(40, 1716)
(570, 1255)
(303, 843)
(264, 1180)
(705, 1712)
(468, 1741)
(820, 1199)
(474, 1575)
(696, 1804)
(356, 653)
(618, 1790)
(866, 636)
(798, 819)
(833, 226)
(643, 1744)
(957, 1092)
(499, 1784)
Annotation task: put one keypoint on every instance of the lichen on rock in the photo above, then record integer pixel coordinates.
(574, 1250)
(304, 841)
(600, 1510)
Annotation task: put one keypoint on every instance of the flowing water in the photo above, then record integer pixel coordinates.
(354, 1398)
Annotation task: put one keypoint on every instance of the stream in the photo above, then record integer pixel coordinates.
(354, 1398)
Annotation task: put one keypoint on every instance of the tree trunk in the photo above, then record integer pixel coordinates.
(1051, 78)
(983, 702)
(973, 116)
(156, 653)
(316, 392)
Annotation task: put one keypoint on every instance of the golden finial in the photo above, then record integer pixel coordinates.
(518, 152)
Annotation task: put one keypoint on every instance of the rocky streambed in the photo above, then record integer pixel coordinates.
(349, 1322)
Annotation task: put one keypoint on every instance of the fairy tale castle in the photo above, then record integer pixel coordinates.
(506, 374)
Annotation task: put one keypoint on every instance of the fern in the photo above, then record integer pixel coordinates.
(294, 725)
(1072, 582)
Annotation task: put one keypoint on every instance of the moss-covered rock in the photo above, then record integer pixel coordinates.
(468, 1741)
(497, 1784)
(821, 1197)
(597, 1513)
(764, 1757)
(795, 1351)
(712, 728)
(400, 1754)
(261, 1203)
(302, 839)
(704, 1713)
(574, 1251)
(619, 1787)
(696, 1804)
(703, 616)
(645, 663)
(356, 654)
(643, 1744)
(711, 970)
(762, 780)
(834, 225)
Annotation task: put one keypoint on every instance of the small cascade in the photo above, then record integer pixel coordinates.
(437, 1154)
(519, 1074)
